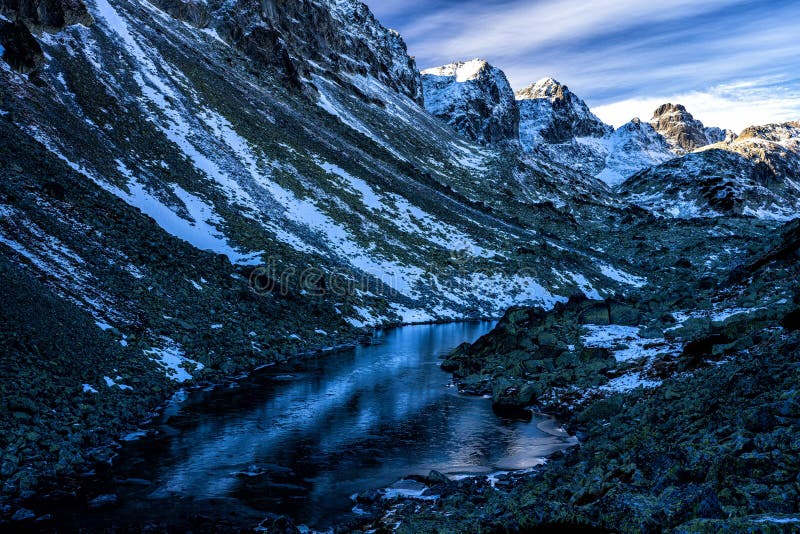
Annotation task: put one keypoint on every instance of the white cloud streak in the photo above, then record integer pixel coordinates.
(733, 106)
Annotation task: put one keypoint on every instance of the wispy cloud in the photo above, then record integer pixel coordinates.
(618, 52)
(735, 105)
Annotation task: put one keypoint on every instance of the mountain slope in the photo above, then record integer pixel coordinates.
(224, 173)
(632, 147)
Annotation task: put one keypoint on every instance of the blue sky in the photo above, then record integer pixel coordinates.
(733, 63)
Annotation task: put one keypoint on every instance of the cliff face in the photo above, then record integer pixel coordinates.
(22, 18)
(46, 15)
(475, 99)
(303, 37)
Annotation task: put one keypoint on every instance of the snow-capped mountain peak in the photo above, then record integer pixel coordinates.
(462, 71)
(474, 98)
(544, 88)
(558, 124)
(632, 147)
(548, 109)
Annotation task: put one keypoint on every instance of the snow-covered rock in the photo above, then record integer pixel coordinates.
(303, 38)
(474, 98)
(775, 145)
(683, 132)
(633, 147)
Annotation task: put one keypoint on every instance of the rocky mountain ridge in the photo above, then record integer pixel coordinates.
(306, 38)
(554, 123)
(557, 125)
(754, 175)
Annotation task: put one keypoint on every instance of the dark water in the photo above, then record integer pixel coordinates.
(302, 444)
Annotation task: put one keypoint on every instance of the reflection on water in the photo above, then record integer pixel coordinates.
(302, 444)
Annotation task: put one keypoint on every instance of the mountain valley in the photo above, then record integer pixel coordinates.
(194, 190)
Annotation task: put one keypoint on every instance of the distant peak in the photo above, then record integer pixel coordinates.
(461, 70)
(669, 108)
(544, 88)
(683, 132)
(548, 81)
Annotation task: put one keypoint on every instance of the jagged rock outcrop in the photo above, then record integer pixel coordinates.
(20, 49)
(775, 145)
(551, 113)
(474, 98)
(300, 38)
(683, 132)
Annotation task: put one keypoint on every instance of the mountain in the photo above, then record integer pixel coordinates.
(302, 38)
(775, 145)
(552, 114)
(682, 131)
(190, 190)
(474, 98)
(559, 125)
(756, 175)
(556, 123)
(632, 147)
(259, 135)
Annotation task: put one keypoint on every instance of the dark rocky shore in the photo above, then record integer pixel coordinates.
(707, 442)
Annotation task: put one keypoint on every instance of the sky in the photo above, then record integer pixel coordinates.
(732, 63)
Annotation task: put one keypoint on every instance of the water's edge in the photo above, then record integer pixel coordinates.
(194, 468)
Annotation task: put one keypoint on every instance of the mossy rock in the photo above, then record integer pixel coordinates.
(602, 410)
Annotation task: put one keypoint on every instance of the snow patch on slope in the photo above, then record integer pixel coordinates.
(174, 361)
